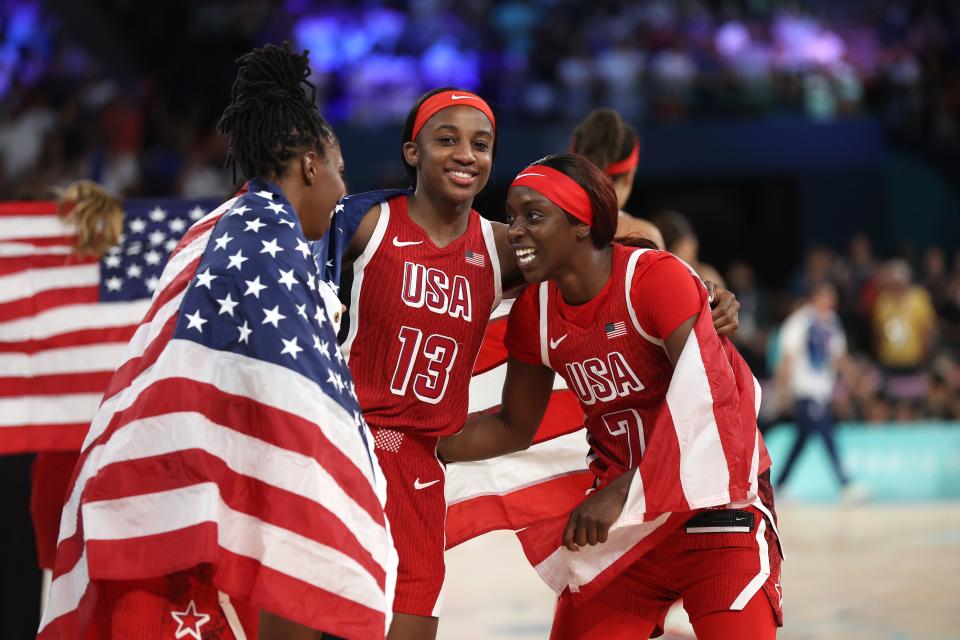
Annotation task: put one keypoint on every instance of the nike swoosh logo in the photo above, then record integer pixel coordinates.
(423, 485)
(401, 243)
(454, 96)
(531, 174)
(554, 343)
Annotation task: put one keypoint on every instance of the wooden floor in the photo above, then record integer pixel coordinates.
(877, 572)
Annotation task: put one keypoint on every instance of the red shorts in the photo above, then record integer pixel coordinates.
(179, 605)
(712, 568)
(416, 508)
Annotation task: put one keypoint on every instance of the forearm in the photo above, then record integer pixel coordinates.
(273, 627)
(486, 436)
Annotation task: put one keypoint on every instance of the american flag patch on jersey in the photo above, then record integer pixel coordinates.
(615, 329)
(475, 259)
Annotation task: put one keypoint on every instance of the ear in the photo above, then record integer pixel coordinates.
(583, 231)
(309, 167)
(411, 153)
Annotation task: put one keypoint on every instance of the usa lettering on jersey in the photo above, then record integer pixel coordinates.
(434, 289)
(595, 380)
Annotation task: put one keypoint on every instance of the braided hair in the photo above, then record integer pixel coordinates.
(603, 137)
(272, 115)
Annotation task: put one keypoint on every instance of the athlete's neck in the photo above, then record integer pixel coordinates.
(442, 220)
(586, 276)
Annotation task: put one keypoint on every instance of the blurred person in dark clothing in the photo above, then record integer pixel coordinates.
(681, 240)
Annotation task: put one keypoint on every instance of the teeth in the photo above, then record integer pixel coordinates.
(526, 256)
(461, 174)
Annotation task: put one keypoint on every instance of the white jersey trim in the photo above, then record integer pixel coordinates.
(542, 294)
(358, 265)
(628, 281)
(490, 241)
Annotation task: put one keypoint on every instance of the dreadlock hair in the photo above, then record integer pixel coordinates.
(272, 115)
(603, 137)
(599, 188)
(407, 135)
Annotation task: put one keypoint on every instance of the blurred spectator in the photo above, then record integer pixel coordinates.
(813, 348)
(681, 240)
(904, 325)
(751, 337)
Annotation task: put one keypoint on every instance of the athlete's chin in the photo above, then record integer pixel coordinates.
(532, 274)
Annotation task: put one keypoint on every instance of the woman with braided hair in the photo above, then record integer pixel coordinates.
(226, 488)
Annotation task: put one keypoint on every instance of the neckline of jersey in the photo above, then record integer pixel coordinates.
(404, 217)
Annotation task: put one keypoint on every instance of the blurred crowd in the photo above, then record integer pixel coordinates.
(901, 319)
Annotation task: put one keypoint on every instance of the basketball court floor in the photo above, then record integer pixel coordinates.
(871, 572)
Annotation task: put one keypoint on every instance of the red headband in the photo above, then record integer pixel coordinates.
(628, 163)
(558, 188)
(444, 99)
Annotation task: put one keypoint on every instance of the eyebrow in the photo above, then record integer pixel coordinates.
(455, 129)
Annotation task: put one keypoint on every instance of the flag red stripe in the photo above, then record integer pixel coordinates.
(82, 337)
(173, 289)
(54, 384)
(46, 241)
(45, 300)
(128, 371)
(492, 352)
(245, 415)
(516, 509)
(193, 233)
(17, 264)
(181, 468)
(42, 437)
(28, 208)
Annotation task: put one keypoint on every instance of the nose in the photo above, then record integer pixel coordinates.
(464, 152)
(516, 230)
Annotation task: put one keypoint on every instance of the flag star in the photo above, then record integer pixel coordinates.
(153, 282)
(264, 194)
(303, 248)
(289, 223)
(170, 244)
(334, 286)
(114, 283)
(134, 271)
(237, 260)
(335, 379)
(302, 310)
(239, 211)
(137, 225)
(353, 391)
(157, 214)
(177, 225)
(320, 316)
(329, 264)
(321, 346)
(204, 279)
(152, 257)
(227, 304)
(195, 321)
(276, 207)
(338, 208)
(290, 346)
(273, 316)
(196, 213)
(245, 332)
(311, 281)
(271, 247)
(222, 241)
(254, 225)
(122, 239)
(338, 355)
(157, 237)
(287, 278)
(254, 288)
(112, 261)
(134, 249)
(114, 250)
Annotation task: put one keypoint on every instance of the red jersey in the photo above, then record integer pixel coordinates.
(418, 313)
(619, 377)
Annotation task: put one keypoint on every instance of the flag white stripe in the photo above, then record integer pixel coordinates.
(275, 386)
(66, 591)
(25, 249)
(486, 388)
(27, 284)
(543, 461)
(703, 467)
(62, 409)
(14, 227)
(75, 317)
(103, 356)
(242, 453)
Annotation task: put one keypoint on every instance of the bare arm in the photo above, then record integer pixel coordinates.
(526, 392)
(510, 275)
(362, 237)
(273, 627)
(590, 522)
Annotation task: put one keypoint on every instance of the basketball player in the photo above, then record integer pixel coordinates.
(613, 321)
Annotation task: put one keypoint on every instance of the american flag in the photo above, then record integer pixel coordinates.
(532, 492)
(615, 329)
(231, 435)
(474, 258)
(65, 319)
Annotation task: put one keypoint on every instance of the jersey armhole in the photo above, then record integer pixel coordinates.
(368, 252)
(542, 295)
(491, 243)
(628, 283)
